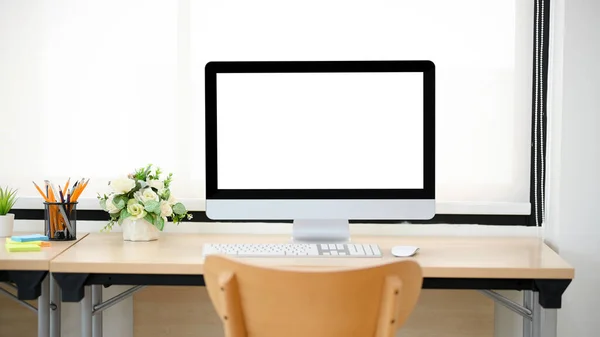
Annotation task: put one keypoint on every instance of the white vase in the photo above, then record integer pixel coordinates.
(7, 224)
(139, 230)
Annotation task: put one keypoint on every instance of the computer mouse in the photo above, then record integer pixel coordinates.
(404, 251)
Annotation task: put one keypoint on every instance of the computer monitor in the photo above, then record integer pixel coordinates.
(320, 143)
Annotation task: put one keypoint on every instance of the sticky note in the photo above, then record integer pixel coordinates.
(23, 248)
(28, 238)
(39, 243)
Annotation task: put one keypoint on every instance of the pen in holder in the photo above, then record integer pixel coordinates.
(60, 220)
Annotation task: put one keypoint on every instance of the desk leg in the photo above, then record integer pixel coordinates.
(86, 312)
(55, 302)
(549, 322)
(536, 312)
(527, 303)
(44, 308)
(97, 316)
(543, 322)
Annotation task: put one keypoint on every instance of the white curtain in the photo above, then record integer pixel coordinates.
(98, 88)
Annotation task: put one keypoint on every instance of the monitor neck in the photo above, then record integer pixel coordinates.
(321, 231)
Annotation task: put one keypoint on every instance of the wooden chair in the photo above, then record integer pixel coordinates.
(255, 301)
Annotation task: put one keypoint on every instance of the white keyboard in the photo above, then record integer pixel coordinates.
(291, 250)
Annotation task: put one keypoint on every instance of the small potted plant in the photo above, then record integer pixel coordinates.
(141, 204)
(8, 198)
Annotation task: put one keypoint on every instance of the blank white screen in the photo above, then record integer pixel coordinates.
(320, 130)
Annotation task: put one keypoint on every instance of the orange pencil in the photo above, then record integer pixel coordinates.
(79, 190)
(76, 194)
(53, 214)
(51, 196)
(46, 199)
(83, 187)
(86, 183)
(50, 214)
(40, 190)
(66, 186)
(50, 210)
(64, 192)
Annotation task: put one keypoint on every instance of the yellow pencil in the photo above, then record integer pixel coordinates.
(79, 190)
(40, 190)
(53, 212)
(66, 186)
(50, 215)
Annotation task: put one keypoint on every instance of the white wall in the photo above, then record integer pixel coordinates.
(574, 172)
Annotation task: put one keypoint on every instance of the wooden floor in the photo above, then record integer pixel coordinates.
(187, 311)
(15, 319)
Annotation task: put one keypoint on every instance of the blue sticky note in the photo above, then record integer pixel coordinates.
(28, 238)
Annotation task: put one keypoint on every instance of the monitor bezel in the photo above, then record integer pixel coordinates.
(215, 67)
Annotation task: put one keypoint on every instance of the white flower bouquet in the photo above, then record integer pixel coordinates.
(143, 195)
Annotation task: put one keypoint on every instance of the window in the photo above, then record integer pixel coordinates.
(97, 89)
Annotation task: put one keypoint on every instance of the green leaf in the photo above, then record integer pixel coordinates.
(8, 197)
(108, 226)
(124, 215)
(139, 176)
(103, 204)
(135, 188)
(152, 206)
(167, 194)
(179, 208)
(150, 218)
(168, 180)
(160, 223)
(120, 201)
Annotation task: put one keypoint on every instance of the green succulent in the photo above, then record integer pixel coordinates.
(8, 198)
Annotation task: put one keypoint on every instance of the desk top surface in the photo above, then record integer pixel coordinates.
(454, 257)
(34, 260)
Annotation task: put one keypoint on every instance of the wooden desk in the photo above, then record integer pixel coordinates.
(480, 263)
(440, 257)
(29, 271)
(27, 267)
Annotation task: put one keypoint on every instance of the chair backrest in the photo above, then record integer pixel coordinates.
(256, 301)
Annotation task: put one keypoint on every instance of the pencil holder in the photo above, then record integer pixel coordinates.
(60, 220)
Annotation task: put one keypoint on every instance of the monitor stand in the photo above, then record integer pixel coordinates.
(320, 231)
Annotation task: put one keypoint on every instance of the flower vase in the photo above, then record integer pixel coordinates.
(139, 230)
